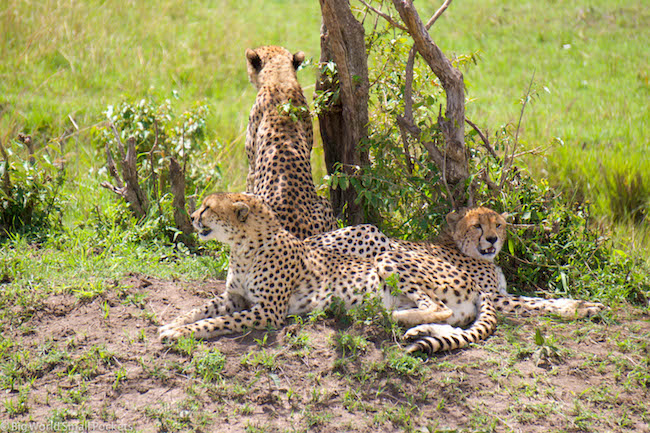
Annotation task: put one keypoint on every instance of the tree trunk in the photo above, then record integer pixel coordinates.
(452, 160)
(344, 124)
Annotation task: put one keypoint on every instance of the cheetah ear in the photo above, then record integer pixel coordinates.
(241, 211)
(506, 216)
(254, 59)
(298, 58)
(452, 218)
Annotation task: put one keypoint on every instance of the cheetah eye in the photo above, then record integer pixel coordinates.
(498, 225)
(478, 226)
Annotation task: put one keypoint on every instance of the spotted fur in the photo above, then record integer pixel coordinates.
(279, 143)
(273, 274)
(464, 252)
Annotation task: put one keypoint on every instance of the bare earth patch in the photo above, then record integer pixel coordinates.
(98, 361)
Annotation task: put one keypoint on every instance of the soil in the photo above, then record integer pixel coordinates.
(587, 376)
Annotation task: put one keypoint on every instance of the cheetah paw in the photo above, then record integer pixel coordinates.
(573, 309)
(432, 330)
(169, 333)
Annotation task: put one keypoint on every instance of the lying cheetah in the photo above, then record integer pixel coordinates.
(278, 144)
(469, 246)
(273, 274)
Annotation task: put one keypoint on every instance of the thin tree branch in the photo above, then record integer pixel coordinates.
(439, 12)
(507, 164)
(384, 16)
(154, 175)
(486, 142)
(452, 124)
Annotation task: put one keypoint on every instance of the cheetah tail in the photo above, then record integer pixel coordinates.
(445, 337)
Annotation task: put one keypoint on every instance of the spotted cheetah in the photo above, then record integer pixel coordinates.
(468, 246)
(279, 143)
(273, 274)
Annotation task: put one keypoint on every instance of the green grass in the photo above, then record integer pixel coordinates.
(590, 68)
(64, 65)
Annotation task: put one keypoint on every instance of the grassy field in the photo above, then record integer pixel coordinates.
(79, 305)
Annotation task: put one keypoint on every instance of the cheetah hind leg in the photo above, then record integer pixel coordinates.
(432, 338)
(427, 309)
(563, 307)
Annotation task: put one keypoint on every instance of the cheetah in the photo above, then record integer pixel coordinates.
(468, 246)
(273, 274)
(279, 143)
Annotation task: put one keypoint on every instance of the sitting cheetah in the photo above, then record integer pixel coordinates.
(278, 144)
(469, 246)
(273, 274)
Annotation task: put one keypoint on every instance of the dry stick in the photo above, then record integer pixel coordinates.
(439, 12)
(112, 170)
(120, 145)
(408, 105)
(507, 163)
(384, 16)
(6, 181)
(76, 143)
(486, 142)
(135, 195)
(154, 176)
(177, 180)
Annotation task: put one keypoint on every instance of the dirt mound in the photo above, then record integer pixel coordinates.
(96, 360)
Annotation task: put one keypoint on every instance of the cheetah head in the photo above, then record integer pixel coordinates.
(478, 232)
(272, 63)
(229, 218)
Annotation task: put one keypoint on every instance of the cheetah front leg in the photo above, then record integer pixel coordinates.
(258, 317)
(225, 304)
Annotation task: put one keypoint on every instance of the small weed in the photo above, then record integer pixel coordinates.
(546, 351)
(136, 299)
(262, 342)
(349, 345)
(18, 406)
(89, 290)
(299, 341)
(316, 316)
(106, 309)
(403, 363)
(88, 364)
(77, 395)
(263, 358)
(315, 419)
(186, 345)
(120, 376)
(209, 365)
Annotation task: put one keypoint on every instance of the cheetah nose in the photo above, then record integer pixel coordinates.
(491, 239)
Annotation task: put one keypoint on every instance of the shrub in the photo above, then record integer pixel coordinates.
(166, 165)
(30, 189)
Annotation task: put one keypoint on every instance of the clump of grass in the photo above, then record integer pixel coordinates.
(349, 345)
(186, 345)
(208, 365)
(263, 358)
(628, 195)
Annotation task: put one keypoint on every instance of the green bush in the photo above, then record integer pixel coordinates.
(160, 135)
(30, 190)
